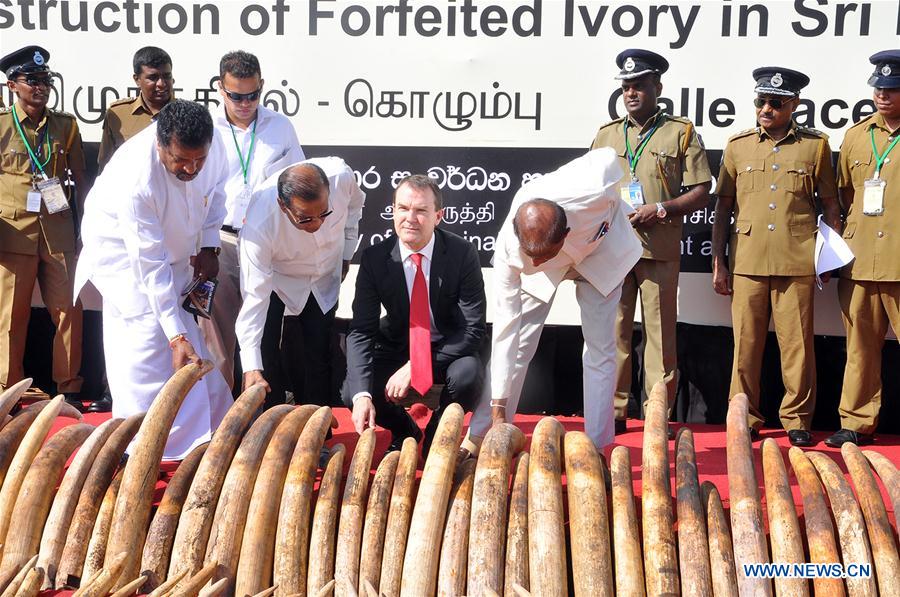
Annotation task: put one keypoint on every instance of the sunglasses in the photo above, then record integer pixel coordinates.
(774, 103)
(37, 82)
(242, 97)
(300, 221)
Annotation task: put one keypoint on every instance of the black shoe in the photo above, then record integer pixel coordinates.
(621, 426)
(101, 405)
(397, 440)
(73, 399)
(847, 435)
(754, 434)
(800, 437)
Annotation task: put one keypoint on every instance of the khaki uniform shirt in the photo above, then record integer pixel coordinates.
(774, 186)
(19, 228)
(874, 240)
(673, 158)
(124, 119)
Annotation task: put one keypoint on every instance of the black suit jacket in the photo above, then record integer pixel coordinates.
(456, 294)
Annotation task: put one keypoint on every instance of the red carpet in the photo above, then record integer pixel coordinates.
(709, 443)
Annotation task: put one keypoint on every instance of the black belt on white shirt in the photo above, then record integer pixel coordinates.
(231, 229)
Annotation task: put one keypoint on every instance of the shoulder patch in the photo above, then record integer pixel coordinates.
(812, 132)
(745, 133)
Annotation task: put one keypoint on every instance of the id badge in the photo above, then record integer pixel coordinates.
(33, 201)
(633, 194)
(873, 196)
(53, 195)
(243, 199)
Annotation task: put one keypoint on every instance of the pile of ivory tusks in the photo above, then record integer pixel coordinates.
(240, 515)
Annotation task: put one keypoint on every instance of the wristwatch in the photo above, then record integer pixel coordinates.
(660, 211)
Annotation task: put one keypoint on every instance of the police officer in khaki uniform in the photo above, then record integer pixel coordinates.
(129, 116)
(666, 177)
(771, 179)
(41, 162)
(869, 288)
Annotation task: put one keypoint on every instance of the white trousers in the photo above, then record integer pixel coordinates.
(138, 364)
(598, 323)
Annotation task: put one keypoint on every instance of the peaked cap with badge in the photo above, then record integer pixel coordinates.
(25, 61)
(637, 63)
(777, 80)
(887, 69)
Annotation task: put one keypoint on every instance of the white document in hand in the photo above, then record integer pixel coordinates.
(831, 251)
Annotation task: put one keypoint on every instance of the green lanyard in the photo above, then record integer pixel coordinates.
(34, 159)
(633, 157)
(245, 164)
(879, 158)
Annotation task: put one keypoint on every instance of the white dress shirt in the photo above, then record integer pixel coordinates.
(276, 256)
(275, 147)
(409, 272)
(601, 247)
(141, 226)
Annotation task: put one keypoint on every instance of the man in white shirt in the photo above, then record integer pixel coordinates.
(151, 225)
(258, 142)
(297, 241)
(429, 283)
(567, 225)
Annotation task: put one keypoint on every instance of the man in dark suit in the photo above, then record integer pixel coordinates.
(429, 282)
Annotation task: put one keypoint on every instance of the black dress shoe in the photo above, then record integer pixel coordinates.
(397, 440)
(101, 405)
(621, 426)
(847, 435)
(800, 437)
(73, 399)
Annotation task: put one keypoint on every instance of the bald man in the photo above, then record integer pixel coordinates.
(567, 225)
(296, 244)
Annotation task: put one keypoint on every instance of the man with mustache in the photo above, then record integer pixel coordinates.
(666, 177)
(41, 169)
(869, 288)
(772, 179)
(151, 228)
(128, 116)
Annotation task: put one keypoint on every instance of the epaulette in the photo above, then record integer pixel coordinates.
(864, 122)
(610, 123)
(745, 133)
(124, 100)
(61, 113)
(681, 119)
(813, 132)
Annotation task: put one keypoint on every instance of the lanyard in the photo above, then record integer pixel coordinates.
(633, 157)
(879, 158)
(245, 164)
(34, 159)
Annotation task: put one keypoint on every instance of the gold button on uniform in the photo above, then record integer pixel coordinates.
(880, 234)
(773, 187)
(771, 227)
(771, 206)
(775, 167)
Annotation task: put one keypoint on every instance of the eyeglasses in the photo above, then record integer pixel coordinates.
(774, 103)
(37, 82)
(242, 97)
(301, 220)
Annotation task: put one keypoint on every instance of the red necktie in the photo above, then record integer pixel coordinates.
(419, 331)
